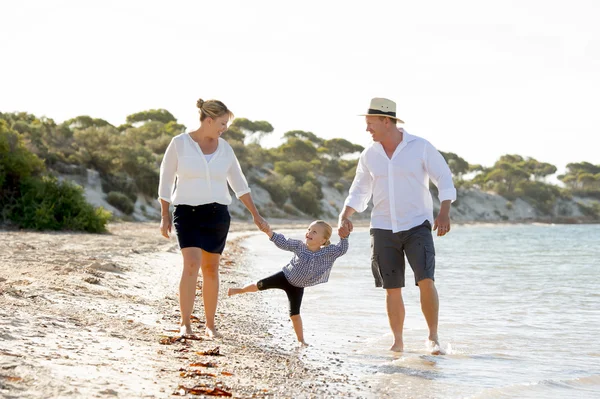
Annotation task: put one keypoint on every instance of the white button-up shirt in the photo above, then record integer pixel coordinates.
(199, 181)
(400, 185)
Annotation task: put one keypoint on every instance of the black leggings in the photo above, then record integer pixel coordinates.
(294, 293)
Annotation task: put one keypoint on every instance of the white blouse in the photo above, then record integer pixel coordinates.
(199, 180)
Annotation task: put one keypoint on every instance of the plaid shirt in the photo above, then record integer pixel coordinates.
(308, 268)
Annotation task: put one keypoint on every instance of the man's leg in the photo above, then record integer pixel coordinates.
(396, 313)
(430, 306)
(387, 265)
(420, 253)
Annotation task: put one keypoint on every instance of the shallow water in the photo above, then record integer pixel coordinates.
(519, 315)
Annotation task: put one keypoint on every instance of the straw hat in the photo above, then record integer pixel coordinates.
(382, 107)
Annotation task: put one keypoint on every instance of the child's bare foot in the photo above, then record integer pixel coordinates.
(212, 333)
(186, 330)
(233, 291)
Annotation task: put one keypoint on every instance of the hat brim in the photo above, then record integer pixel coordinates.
(385, 116)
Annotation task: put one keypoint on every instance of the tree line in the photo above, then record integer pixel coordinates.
(34, 150)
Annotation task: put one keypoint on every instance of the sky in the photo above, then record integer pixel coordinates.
(477, 78)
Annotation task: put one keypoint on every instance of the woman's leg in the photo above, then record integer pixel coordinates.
(192, 258)
(210, 289)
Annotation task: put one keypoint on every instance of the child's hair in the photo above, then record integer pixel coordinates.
(328, 231)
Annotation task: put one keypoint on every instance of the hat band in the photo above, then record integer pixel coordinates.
(378, 112)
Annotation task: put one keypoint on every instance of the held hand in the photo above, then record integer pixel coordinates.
(165, 225)
(262, 224)
(442, 224)
(344, 227)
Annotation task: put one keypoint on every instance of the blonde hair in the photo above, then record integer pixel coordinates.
(328, 231)
(213, 109)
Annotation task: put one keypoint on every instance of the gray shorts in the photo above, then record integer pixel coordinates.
(388, 250)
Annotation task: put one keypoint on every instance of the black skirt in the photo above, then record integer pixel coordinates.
(202, 226)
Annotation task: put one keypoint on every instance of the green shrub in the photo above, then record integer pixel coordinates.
(590, 193)
(289, 209)
(120, 183)
(121, 202)
(592, 210)
(542, 196)
(306, 198)
(278, 187)
(340, 187)
(301, 171)
(47, 204)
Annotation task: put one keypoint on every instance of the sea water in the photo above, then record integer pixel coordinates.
(519, 315)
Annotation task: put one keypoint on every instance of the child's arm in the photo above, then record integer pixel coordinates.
(285, 243)
(338, 249)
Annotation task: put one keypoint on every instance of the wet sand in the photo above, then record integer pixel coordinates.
(87, 315)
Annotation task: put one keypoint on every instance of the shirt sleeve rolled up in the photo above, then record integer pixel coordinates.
(439, 172)
(362, 187)
(236, 178)
(168, 170)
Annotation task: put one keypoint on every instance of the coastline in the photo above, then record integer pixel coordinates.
(87, 315)
(84, 315)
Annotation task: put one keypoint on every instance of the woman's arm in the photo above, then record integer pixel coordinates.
(165, 218)
(168, 171)
(260, 222)
(237, 181)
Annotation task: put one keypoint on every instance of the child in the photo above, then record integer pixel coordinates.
(310, 266)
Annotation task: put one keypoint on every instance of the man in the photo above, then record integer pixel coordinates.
(395, 170)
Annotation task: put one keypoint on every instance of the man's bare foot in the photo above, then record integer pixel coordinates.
(186, 330)
(434, 347)
(212, 333)
(233, 291)
(397, 347)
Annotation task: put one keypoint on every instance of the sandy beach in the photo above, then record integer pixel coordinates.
(85, 315)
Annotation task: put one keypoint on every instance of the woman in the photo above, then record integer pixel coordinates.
(203, 164)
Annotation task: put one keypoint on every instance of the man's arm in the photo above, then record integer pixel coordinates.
(358, 196)
(345, 226)
(442, 221)
(439, 172)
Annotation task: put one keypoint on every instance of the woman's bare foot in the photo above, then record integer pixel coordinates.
(186, 330)
(303, 343)
(212, 333)
(234, 291)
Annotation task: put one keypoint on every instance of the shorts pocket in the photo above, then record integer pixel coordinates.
(376, 270)
(429, 260)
